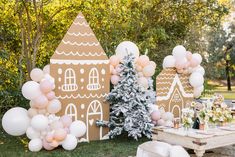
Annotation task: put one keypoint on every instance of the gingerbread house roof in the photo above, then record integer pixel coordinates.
(168, 79)
(79, 43)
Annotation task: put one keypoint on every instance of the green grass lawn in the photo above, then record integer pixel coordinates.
(121, 147)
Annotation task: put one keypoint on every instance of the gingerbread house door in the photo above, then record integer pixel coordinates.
(176, 103)
(94, 112)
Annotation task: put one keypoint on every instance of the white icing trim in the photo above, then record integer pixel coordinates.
(80, 53)
(81, 24)
(80, 34)
(80, 44)
(82, 96)
(176, 81)
(76, 62)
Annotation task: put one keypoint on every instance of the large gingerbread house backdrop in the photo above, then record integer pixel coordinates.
(174, 91)
(81, 71)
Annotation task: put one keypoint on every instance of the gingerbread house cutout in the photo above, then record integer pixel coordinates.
(81, 71)
(174, 91)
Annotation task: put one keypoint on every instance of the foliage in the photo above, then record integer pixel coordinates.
(30, 29)
(129, 104)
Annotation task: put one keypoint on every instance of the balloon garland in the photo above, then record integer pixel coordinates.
(143, 65)
(41, 125)
(187, 63)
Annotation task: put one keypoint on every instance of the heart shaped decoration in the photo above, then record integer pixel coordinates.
(91, 121)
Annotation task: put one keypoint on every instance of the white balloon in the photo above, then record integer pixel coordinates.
(78, 128)
(36, 74)
(35, 145)
(168, 116)
(199, 89)
(31, 90)
(46, 69)
(200, 70)
(70, 142)
(198, 57)
(196, 93)
(39, 122)
(16, 121)
(125, 48)
(169, 123)
(31, 133)
(179, 52)
(169, 62)
(196, 79)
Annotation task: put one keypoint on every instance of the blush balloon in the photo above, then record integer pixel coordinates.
(111, 68)
(194, 62)
(46, 69)
(115, 79)
(51, 95)
(156, 115)
(153, 64)
(60, 134)
(32, 112)
(49, 137)
(189, 55)
(54, 143)
(143, 81)
(66, 120)
(143, 60)
(148, 71)
(46, 145)
(41, 101)
(36, 74)
(56, 125)
(46, 86)
(114, 60)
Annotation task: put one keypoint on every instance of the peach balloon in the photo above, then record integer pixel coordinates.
(118, 69)
(49, 137)
(32, 112)
(114, 72)
(111, 69)
(36, 74)
(66, 120)
(148, 71)
(54, 106)
(194, 62)
(140, 74)
(143, 60)
(51, 95)
(114, 60)
(115, 79)
(46, 86)
(41, 101)
(42, 111)
(32, 104)
(54, 143)
(153, 64)
(56, 125)
(139, 68)
(60, 134)
(46, 69)
(189, 55)
(46, 145)
(143, 81)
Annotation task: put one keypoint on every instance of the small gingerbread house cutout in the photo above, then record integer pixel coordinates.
(81, 71)
(174, 91)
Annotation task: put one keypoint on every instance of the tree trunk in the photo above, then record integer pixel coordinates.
(228, 76)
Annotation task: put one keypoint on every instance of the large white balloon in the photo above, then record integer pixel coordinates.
(179, 52)
(78, 128)
(39, 122)
(196, 79)
(16, 121)
(169, 62)
(35, 145)
(198, 57)
(125, 48)
(31, 90)
(196, 93)
(200, 70)
(36, 74)
(70, 142)
(32, 133)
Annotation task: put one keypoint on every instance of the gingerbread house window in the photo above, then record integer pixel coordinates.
(93, 80)
(69, 81)
(71, 111)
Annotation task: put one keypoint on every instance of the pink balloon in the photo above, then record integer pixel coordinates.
(67, 130)
(60, 134)
(114, 60)
(194, 62)
(111, 69)
(36, 74)
(57, 125)
(189, 55)
(115, 79)
(42, 111)
(143, 60)
(49, 137)
(148, 71)
(154, 122)
(66, 120)
(139, 68)
(46, 145)
(41, 101)
(51, 95)
(153, 64)
(118, 69)
(114, 72)
(32, 112)
(46, 86)
(161, 122)
(54, 143)
(54, 106)
(156, 115)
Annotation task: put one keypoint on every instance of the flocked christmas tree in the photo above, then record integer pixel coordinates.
(129, 104)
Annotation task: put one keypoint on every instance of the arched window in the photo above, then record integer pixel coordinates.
(71, 111)
(93, 80)
(69, 80)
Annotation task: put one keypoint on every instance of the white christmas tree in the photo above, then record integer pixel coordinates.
(129, 104)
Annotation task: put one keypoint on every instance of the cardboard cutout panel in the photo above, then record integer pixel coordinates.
(81, 71)
(173, 91)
